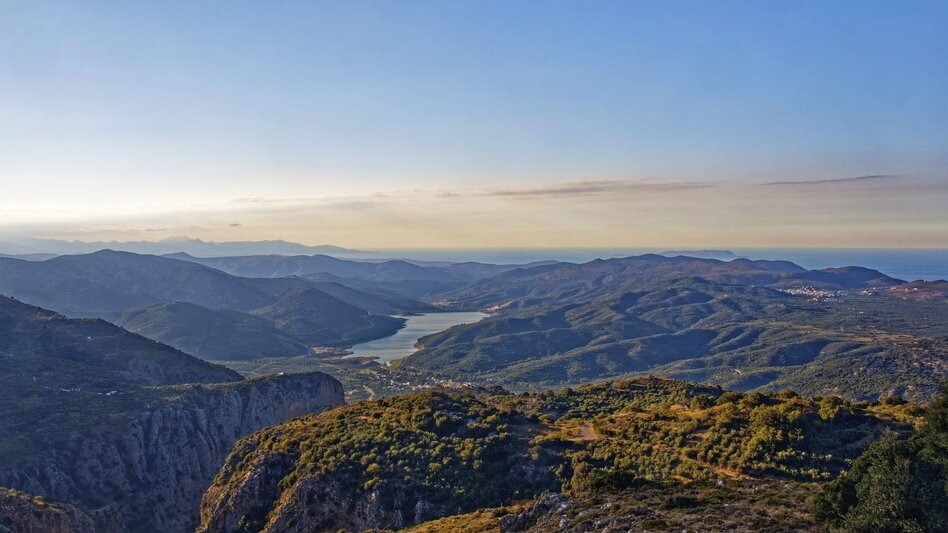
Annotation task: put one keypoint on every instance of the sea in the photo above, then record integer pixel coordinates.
(907, 264)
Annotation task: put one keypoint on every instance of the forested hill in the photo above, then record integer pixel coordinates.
(207, 312)
(42, 350)
(742, 325)
(562, 282)
(404, 460)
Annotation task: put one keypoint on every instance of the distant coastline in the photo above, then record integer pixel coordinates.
(908, 264)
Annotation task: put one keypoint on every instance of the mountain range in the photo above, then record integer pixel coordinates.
(237, 307)
(741, 324)
(208, 312)
(525, 287)
(198, 247)
(413, 279)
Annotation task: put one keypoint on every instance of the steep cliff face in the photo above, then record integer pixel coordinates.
(22, 513)
(154, 470)
(314, 503)
(385, 464)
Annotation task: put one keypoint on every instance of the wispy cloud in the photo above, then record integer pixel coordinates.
(260, 203)
(582, 189)
(832, 181)
(564, 190)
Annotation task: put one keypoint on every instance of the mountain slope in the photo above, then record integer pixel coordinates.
(61, 353)
(317, 318)
(276, 266)
(413, 279)
(202, 310)
(411, 289)
(211, 334)
(21, 512)
(296, 321)
(373, 300)
(543, 285)
(120, 425)
(743, 337)
(405, 460)
(150, 454)
(896, 485)
(109, 282)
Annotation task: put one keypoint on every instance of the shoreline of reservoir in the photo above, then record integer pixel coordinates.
(401, 344)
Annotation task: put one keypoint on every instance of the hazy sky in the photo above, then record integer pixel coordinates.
(509, 123)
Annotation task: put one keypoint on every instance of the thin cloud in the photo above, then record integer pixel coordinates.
(831, 181)
(387, 202)
(363, 200)
(581, 188)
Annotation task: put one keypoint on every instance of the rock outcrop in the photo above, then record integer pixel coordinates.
(22, 513)
(154, 472)
(385, 464)
(294, 512)
(542, 509)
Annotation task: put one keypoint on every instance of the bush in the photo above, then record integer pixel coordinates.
(787, 394)
(830, 406)
(612, 480)
(893, 401)
(701, 401)
(729, 397)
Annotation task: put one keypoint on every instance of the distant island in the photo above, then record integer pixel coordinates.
(723, 255)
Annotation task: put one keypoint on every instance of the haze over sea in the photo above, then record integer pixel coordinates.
(908, 264)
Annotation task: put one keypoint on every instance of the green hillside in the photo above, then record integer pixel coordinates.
(858, 343)
(316, 318)
(527, 288)
(209, 313)
(397, 461)
(59, 374)
(211, 334)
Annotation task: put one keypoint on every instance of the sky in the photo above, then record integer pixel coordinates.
(477, 123)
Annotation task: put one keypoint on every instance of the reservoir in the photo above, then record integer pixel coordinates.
(402, 343)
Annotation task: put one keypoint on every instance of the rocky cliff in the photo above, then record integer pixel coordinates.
(22, 513)
(153, 470)
(385, 464)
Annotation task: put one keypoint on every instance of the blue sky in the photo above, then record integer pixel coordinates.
(212, 119)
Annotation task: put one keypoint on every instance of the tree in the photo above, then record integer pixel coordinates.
(895, 485)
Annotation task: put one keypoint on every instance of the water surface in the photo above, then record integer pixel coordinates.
(402, 343)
